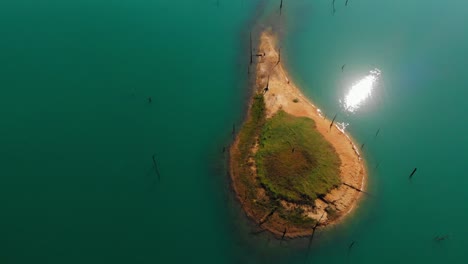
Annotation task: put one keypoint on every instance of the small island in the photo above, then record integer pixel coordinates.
(290, 168)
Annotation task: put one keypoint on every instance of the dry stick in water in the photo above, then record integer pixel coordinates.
(251, 56)
(281, 6)
(331, 124)
(313, 234)
(342, 67)
(351, 246)
(284, 233)
(233, 131)
(346, 4)
(334, 10)
(155, 164)
(377, 133)
(412, 173)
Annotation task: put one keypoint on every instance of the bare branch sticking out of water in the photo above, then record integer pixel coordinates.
(313, 234)
(156, 169)
(333, 4)
(284, 233)
(377, 133)
(333, 121)
(346, 4)
(351, 246)
(281, 6)
(251, 55)
(412, 173)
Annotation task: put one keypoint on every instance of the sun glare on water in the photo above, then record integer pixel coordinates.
(360, 91)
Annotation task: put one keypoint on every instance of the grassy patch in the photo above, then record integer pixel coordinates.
(247, 138)
(294, 161)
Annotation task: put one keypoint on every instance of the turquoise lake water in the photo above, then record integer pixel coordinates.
(78, 132)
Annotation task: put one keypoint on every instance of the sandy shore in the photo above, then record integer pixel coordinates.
(281, 94)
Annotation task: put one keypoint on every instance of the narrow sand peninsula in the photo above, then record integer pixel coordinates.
(283, 94)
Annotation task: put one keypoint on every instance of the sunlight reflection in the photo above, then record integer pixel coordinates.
(360, 91)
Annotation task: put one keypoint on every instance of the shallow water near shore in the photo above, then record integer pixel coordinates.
(78, 132)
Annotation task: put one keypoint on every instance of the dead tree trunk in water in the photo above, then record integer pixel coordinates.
(331, 124)
(156, 169)
(251, 56)
(233, 133)
(412, 173)
(377, 133)
(313, 234)
(351, 246)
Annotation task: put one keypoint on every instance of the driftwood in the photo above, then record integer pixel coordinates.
(346, 4)
(281, 6)
(377, 133)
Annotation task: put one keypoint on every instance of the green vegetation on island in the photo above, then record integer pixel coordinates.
(294, 161)
(282, 159)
